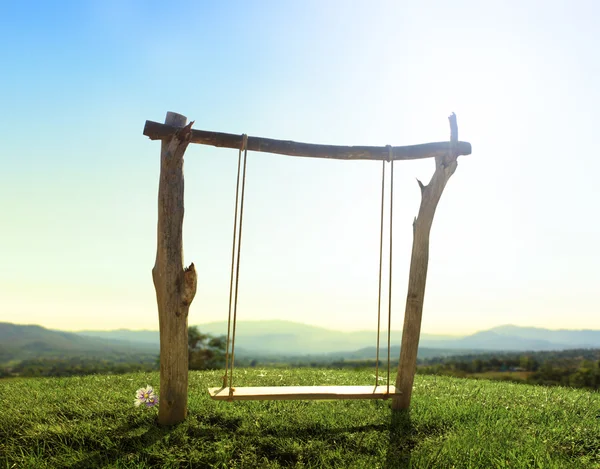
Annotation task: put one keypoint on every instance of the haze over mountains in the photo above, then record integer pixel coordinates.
(296, 338)
(284, 338)
(22, 342)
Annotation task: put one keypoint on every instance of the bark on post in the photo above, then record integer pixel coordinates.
(175, 286)
(430, 195)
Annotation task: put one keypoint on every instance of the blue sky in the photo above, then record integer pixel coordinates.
(515, 235)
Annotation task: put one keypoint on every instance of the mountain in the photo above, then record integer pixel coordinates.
(290, 337)
(370, 353)
(571, 338)
(295, 339)
(285, 339)
(277, 336)
(491, 340)
(516, 338)
(20, 342)
(144, 336)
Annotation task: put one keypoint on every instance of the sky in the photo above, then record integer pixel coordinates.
(515, 236)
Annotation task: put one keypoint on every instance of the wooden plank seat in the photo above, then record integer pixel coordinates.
(280, 393)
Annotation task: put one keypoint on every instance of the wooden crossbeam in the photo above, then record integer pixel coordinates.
(158, 131)
(280, 393)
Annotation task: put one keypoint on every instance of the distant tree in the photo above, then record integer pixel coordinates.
(528, 363)
(205, 352)
(477, 366)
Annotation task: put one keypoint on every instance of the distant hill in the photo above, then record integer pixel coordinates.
(21, 342)
(150, 337)
(491, 340)
(292, 338)
(515, 338)
(285, 339)
(584, 338)
(297, 338)
(280, 337)
(370, 353)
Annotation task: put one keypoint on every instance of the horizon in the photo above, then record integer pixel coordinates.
(315, 326)
(514, 239)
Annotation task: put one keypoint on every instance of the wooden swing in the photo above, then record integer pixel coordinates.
(227, 392)
(175, 284)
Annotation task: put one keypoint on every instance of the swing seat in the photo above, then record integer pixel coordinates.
(282, 393)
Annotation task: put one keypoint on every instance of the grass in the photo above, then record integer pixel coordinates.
(503, 375)
(454, 423)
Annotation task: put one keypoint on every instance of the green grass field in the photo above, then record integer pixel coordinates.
(454, 423)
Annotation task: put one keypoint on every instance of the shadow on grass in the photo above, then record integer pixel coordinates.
(314, 442)
(128, 443)
(402, 440)
(132, 436)
(267, 442)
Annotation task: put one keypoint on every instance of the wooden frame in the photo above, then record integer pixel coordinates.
(176, 286)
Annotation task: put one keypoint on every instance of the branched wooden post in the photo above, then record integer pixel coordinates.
(430, 195)
(175, 286)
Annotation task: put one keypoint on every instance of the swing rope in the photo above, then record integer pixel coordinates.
(380, 270)
(235, 266)
(390, 285)
(391, 160)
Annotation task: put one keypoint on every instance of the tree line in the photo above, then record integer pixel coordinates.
(80, 366)
(579, 368)
(205, 352)
(576, 368)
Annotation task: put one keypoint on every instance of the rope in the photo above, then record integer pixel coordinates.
(235, 217)
(237, 270)
(235, 265)
(390, 286)
(380, 270)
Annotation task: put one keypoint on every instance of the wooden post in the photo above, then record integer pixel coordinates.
(175, 286)
(430, 195)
